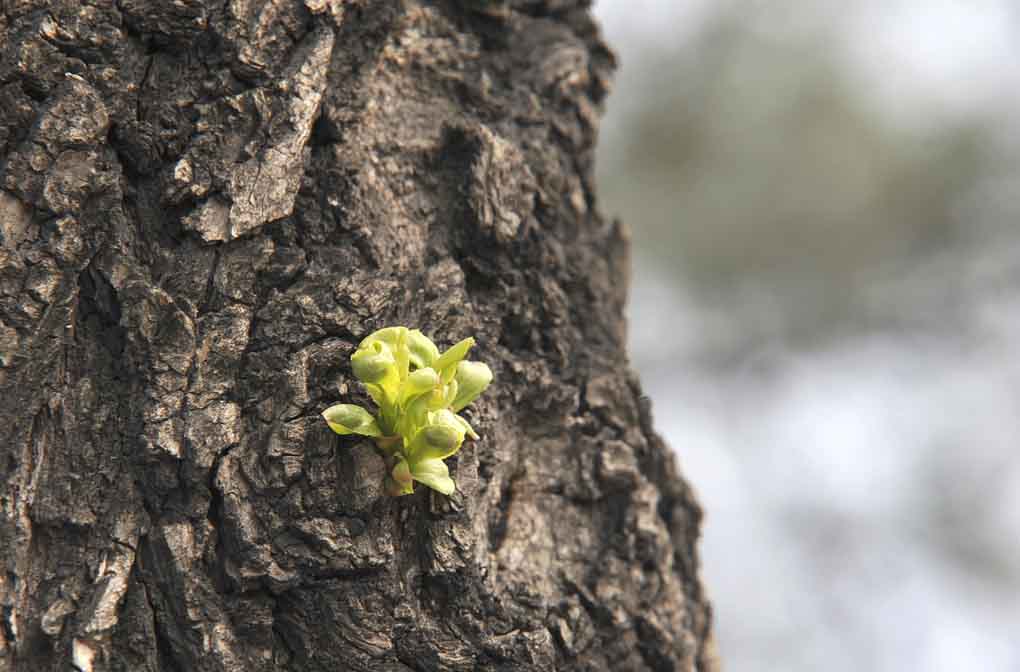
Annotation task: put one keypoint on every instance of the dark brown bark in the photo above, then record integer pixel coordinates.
(204, 207)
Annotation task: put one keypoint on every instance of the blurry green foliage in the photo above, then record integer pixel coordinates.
(754, 164)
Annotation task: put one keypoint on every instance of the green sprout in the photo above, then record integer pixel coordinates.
(419, 393)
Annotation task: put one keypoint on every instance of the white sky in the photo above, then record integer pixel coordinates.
(957, 55)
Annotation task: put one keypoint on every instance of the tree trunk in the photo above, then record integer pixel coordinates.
(204, 207)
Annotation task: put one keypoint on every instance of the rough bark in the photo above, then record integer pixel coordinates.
(204, 206)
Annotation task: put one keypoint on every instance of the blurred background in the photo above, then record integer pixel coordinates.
(825, 204)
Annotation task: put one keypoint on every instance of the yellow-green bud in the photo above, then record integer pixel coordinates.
(373, 363)
(472, 378)
(440, 438)
(422, 380)
(423, 352)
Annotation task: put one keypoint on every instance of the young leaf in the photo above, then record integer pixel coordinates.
(467, 427)
(351, 419)
(435, 474)
(419, 382)
(387, 335)
(440, 397)
(439, 439)
(414, 417)
(446, 364)
(423, 352)
(374, 363)
(378, 394)
(401, 355)
(450, 392)
(472, 378)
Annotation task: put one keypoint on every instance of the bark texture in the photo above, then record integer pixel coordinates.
(204, 206)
